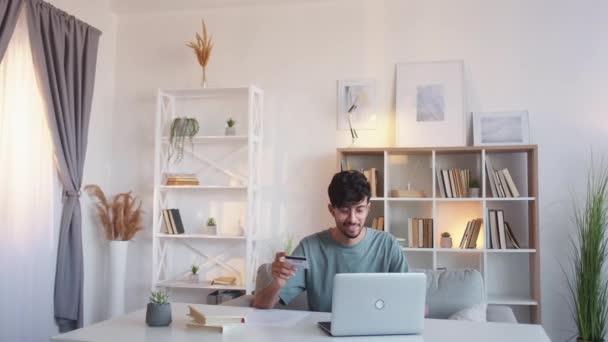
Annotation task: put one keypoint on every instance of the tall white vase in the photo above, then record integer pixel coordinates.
(117, 277)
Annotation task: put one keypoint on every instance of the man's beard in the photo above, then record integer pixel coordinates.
(343, 228)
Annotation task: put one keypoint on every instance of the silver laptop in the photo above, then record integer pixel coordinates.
(377, 304)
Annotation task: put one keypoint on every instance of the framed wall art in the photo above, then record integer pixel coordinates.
(501, 128)
(357, 102)
(430, 104)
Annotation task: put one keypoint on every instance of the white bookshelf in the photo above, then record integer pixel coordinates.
(228, 171)
(511, 276)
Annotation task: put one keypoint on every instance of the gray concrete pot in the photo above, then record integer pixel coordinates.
(158, 315)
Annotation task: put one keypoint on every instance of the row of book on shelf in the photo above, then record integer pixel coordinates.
(471, 233)
(454, 183)
(378, 223)
(501, 234)
(181, 179)
(419, 232)
(501, 182)
(371, 174)
(172, 221)
(372, 178)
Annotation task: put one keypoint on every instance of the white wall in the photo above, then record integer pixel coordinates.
(546, 56)
(99, 152)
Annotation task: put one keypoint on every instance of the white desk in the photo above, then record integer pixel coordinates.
(132, 328)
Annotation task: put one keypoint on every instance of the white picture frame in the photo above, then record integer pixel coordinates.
(362, 92)
(430, 106)
(501, 128)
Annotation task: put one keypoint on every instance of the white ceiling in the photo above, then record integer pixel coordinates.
(139, 6)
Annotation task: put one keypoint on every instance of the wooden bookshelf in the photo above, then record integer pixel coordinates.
(511, 276)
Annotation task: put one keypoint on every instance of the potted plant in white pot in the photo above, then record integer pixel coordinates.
(446, 240)
(193, 276)
(230, 128)
(121, 218)
(211, 227)
(474, 188)
(158, 311)
(589, 253)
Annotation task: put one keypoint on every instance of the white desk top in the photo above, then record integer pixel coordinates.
(132, 328)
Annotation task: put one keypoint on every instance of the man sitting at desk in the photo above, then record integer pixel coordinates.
(349, 247)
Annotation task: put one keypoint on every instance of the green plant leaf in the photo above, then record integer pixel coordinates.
(588, 255)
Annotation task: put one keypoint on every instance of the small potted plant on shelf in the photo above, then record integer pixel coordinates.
(158, 311)
(473, 188)
(230, 128)
(446, 240)
(182, 128)
(193, 275)
(211, 228)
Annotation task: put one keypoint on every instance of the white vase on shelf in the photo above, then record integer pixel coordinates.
(210, 230)
(193, 278)
(474, 192)
(118, 252)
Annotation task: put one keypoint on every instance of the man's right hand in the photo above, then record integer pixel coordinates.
(282, 271)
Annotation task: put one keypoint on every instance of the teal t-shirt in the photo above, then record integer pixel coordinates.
(378, 252)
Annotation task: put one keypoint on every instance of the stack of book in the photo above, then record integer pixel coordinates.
(501, 183)
(453, 183)
(214, 323)
(378, 223)
(224, 281)
(471, 233)
(372, 178)
(181, 179)
(501, 235)
(420, 232)
(172, 221)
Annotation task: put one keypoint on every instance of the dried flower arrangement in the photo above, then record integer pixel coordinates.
(202, 47)
(121, 218)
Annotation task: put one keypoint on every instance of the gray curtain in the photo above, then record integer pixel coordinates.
(65, 56)
(9, 12)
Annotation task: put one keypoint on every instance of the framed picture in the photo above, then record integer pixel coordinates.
(357, 101)
(430, 104)
(501, 128)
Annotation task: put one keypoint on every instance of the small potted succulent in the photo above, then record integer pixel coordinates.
(158, 311)
(446, 240)
(230, 128)
(193, 275)
(474, 188)
(211, 228)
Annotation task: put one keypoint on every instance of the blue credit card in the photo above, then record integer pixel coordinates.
(299, 261)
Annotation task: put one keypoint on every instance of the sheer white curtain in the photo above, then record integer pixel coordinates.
(27, 181)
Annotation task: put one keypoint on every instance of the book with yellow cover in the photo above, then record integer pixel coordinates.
(216, 323)
(224, 281)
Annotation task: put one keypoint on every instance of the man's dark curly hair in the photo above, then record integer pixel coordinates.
(348, 187)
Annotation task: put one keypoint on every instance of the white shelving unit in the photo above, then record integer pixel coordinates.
(511, 276)
(228, 170)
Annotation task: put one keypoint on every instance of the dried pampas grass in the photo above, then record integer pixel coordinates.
(202, 47)
(121, 218)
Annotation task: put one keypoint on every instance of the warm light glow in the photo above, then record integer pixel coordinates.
(26, 164)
